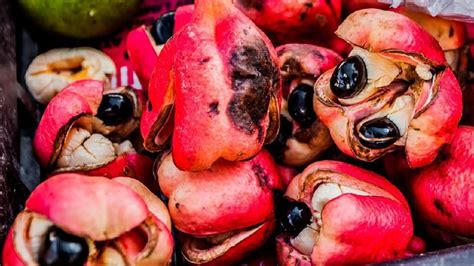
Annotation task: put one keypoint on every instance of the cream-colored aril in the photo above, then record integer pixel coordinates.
(111, 256)
(380, 73)
(37, 233)
(305, 241)
(452, 57)
(424, 72)
(124, 147)
(51, 72)
(324, 193)
(328, 191)
(82, 148)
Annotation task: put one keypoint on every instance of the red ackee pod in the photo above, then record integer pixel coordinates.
(71, 219)
(394, 91)
(85, 130)
(334, 213)
(442, 193)
(302, 137)
(215, 90)
(222, 213)
(293, 21)
(145, 42)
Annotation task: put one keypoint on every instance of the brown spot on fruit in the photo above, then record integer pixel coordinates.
(256, 4)
(451, 31)
(440, 207)
(204, 60)
(254, 79)
(213, 109)
(261, 174)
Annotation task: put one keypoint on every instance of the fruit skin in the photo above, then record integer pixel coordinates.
(441, 193)
(203, 203)
(304, 63)
(144, 52)
(80, 19)
(98, 209)
(292, 21)
(233, 114)
(433, 125)
(355, 229)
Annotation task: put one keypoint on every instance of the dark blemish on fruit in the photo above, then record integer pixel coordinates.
(254, 79)
(204, 60)
(261, 174)
(213, 109)
(308, 5)
(292, 67)
(451, 31)
(125, 55)
(177, 205)
(256, 4)
(148, 106)
(303, 16)
(439, 206)
(317, 54)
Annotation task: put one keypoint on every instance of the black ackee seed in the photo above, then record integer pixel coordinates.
(300, 105)
(293, 216)
(162, 28)
(379, 133)
(277, 147)
(349, 77)
(115, 109)
(60, 248)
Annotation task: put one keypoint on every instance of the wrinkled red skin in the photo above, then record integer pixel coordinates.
(356, 229)
(291, 21)
(303, 63)
(133, 165)
(143, 51)
(83, 98)
(97, 208)
(380, 32)
(441, 194)
(200, 111)
(204, 203)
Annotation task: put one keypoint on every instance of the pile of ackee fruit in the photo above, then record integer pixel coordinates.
(233, 145)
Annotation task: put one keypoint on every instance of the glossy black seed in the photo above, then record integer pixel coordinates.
(115, 109)
(277, 147)
(293, 216)
(379, 133)
(162, 28)
(300, 105)
(60, 248)
(349, 77)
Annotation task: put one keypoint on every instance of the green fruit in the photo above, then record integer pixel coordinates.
(80, 19)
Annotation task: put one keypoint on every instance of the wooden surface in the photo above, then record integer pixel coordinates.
(11, 189)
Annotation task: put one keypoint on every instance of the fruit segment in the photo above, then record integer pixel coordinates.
(395, 90)
(302, 138)
(336, 213)
(215, 90)
(72, 219)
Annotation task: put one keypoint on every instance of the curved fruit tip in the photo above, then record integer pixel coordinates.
(65, 199)
(78, 99)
